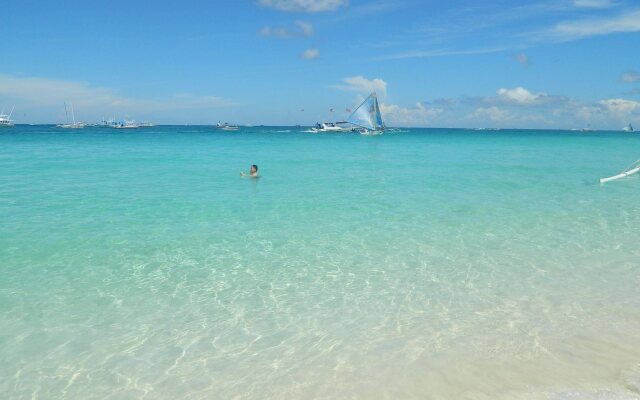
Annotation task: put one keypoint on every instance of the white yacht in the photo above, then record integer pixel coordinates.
(628, 128)
(106, 123)
(5, 120)
(127, 125)
(74, 125)
(226, 126)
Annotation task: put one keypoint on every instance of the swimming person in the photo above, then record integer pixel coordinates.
(253, 172)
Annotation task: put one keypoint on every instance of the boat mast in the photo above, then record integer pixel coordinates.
(66, 114)
(72, 114)
(11, 111)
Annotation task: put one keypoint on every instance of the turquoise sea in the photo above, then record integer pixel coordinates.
(421, 264)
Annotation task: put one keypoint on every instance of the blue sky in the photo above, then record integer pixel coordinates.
(540, 64)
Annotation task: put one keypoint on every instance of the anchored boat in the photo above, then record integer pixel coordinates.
(333, 127)
(5, 120)
(127, 125)
(227, 127)
(74, 125)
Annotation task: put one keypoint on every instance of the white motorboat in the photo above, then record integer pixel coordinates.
(127, 125)
(333, 127)
(5, 120)
(227, 126)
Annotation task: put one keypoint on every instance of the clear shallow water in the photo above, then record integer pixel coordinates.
(444, 264)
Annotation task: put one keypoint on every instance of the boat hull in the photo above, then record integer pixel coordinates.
(620, 176)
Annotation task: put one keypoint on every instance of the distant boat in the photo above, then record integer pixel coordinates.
(227, 126)
(367, 116)
(628, 128)
(587, 129)
(74, 125)
(127, 125)
(332, 127)
(106, 123)
(146, 124)
(5, 120)
(366, 119)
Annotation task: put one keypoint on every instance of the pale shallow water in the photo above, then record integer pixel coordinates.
(422, 264)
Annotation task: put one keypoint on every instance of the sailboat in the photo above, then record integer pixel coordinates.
(74, 125)
(628, 128)
(5, 120)
(367, 116)
(630, 170)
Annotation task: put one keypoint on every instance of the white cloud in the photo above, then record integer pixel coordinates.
(494, 114)
(302, 29)
(574, 30)
(45, 97)
(620, 106)
(519, 95)
(522, 59)
(363, 85)
(421, 114)
(519, 107)
(311, 54)
(282, 33)
(309, 6)
(515, 108)
(630, 76)
(305, 27)
(440, 53)
(611, 113)
(594, 3)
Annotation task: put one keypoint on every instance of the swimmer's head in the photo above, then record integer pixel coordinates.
(254, 168)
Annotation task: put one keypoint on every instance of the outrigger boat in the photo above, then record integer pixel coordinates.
(632, 169)
(367, 117)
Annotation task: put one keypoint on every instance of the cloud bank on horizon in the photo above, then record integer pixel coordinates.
(462, 65)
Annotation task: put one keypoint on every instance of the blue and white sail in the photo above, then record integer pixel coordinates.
(367, 115)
